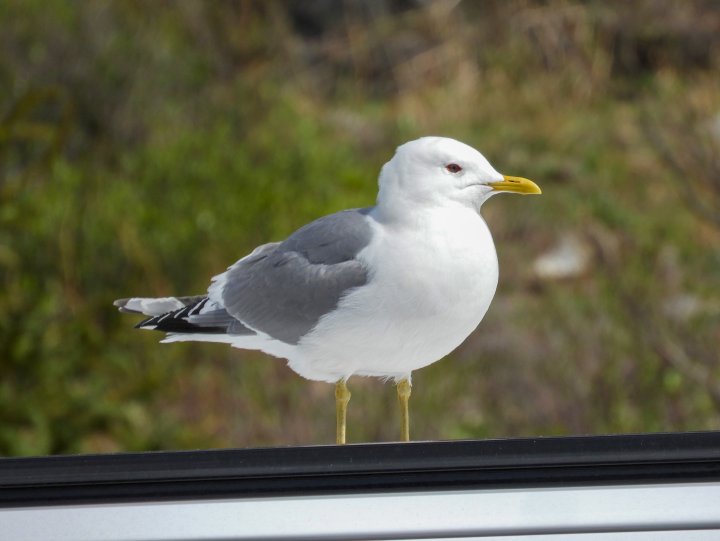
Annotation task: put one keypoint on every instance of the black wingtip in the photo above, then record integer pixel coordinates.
(177, 320)
(144, 322)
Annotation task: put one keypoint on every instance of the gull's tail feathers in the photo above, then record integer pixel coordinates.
(183, 315)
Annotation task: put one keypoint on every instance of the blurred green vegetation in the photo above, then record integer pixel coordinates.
(146, 146)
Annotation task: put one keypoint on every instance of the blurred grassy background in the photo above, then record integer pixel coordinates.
(145, 146)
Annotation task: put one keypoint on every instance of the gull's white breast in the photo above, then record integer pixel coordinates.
(431, 283)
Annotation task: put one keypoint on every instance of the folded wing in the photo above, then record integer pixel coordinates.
(283, 289)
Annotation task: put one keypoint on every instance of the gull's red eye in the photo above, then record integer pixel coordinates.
(453, 168)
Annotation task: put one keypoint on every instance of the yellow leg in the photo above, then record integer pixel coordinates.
(404, 388)
(342, 397)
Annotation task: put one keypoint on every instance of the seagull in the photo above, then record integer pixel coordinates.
(380, 291)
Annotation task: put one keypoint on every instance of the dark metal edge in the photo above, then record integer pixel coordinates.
(625, 459)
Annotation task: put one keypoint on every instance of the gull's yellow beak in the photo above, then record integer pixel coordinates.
(516, 185)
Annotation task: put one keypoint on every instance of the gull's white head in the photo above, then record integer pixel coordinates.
(438, 171)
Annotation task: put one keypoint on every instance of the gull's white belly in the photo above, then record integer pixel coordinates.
(430, 289)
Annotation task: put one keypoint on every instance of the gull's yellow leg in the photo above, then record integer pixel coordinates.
(342, 397)
(404, 388)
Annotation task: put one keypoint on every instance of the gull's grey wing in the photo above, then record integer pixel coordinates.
(284, 289)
